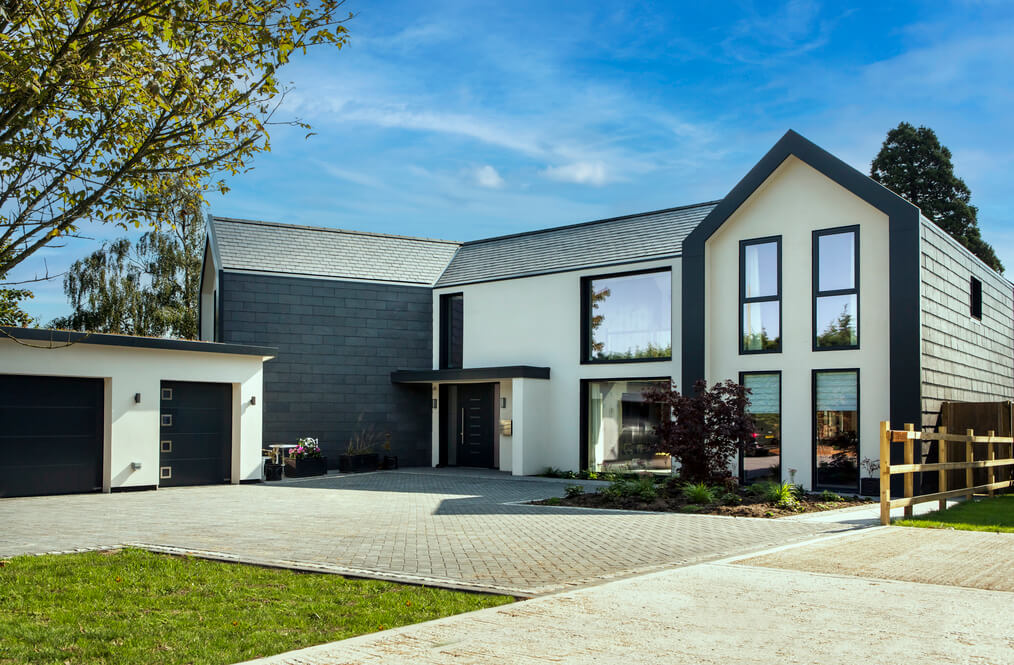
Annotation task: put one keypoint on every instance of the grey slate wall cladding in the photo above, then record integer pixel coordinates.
(962, 359)
(337, 344)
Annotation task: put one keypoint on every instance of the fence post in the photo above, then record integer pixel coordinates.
(942, 475)
(991, 456)
(969, 454)
(909, 459)
(885, 472)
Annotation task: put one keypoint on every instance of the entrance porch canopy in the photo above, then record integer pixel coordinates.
(470, 374)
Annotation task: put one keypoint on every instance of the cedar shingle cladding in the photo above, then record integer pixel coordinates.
(963, 359)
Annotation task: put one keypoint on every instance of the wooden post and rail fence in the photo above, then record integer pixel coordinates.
(909, 435)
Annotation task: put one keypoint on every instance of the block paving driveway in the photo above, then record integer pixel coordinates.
(455, 528)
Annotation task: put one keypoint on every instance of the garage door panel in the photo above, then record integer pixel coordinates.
(51, 435)
(195, 433)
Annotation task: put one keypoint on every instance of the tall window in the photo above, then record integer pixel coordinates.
(836, 429)
(761, 458)
(620, 426)
(975, 292)
(627, 317)
(452, 330)
(760, 295)
(836, 289)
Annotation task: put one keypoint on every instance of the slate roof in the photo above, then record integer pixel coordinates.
(249, 245)
(604, 242)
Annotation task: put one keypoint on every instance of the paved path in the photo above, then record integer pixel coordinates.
(709, 614)
(980, 560)
(454, 529)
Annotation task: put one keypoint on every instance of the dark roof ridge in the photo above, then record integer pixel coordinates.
(333, 230)
(590, 223)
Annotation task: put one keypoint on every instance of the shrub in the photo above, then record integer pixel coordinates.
(574, 490)
(640, 488)
(731, 499)
(698, 493)
(830, 497)
(705, 430)
(782, 495)
(553, 472)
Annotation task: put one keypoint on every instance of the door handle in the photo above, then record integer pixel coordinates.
(461, 432)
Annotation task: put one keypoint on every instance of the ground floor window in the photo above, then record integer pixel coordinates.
(836, 429)
(761, 458)
(620, 426)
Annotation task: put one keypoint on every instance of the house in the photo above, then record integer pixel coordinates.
(827, 295)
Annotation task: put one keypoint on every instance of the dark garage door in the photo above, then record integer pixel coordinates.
(195, 433)
(50, 435)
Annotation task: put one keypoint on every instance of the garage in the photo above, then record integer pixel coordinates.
(195, 433)
(50, 435)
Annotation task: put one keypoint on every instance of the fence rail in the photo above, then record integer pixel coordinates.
(908, 436)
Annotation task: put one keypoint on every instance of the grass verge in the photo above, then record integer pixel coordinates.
(996, 514)
(132, 606)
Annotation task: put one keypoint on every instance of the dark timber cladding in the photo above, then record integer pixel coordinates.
(338, 342)
(903, 275)
(50, 435)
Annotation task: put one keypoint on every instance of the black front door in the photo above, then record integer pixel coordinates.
(475, 425)
(195, 433)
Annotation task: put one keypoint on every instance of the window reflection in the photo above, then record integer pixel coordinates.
(621, 427)
(761, 459)
(761, 326)
(836, 320)
(760, 295)
(836, 300)
(630, 316)
(837, 429)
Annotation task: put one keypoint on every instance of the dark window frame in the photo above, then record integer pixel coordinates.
(778, 372)
(445, 337)
(585, 347)
(743, 300)
(813, 425)
(975, 297)
(584, 413)
(817, 293)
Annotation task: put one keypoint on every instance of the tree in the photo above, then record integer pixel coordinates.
(913, 164)
(11, 313)
(151, 288)
(104, 104)
(704, 430)
(839, 332)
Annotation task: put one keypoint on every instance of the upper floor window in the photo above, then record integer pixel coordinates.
(760, 295)
(836, 289)
(627, 317)
(452, 330)
(975, 291)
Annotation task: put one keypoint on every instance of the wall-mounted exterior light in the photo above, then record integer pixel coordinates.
(503, 402)
(137, 398)
(434, 402)
(253, 400)
(135, 465)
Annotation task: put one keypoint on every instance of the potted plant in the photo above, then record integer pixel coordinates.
(359, 453)
(305, 459)
(870, 486)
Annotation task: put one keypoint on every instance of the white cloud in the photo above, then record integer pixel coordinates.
(487, 176)
(581, 173)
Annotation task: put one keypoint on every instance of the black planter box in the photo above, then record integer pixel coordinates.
(300, 468)
(869, 486)
(358, 463)
(273, 471)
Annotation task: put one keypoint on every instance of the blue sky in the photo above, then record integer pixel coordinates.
(463, 120)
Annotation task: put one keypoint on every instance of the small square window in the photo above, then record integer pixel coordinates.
(165, 472)
(167, 420)
(975, 292)
(165, 446)
(167, 394)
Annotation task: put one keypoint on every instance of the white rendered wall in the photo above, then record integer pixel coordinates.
(537, 321)
(793, 202)
(132, 429)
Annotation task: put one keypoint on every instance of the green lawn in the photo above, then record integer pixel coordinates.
(132, 606)
(996, 514)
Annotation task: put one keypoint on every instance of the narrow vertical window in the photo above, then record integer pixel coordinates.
(975, 290)
(760, 295)
(761, 457)
(836, 429)
(452, 330)
(836, 289)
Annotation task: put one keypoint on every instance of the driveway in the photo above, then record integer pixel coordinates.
(445, 527)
